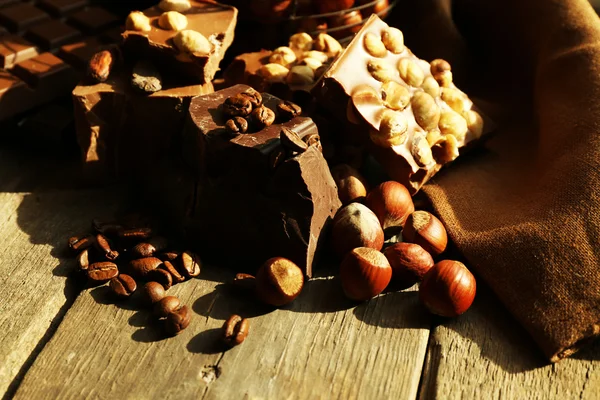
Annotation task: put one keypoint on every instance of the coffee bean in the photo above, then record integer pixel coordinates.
(122, 285)
(166, 305)
(135, 234)
(146, 78)
(237, 125)
(190, 264)
(142, 250)
(176, 276)
(142, 266)
(262, 117)
(168, 255)
(83, 260)
(237, 106)
(277, 156)
(235, 330)
(154, 292)
(178, 320)
(104, 246)
(253, 96)
(102, 271)
(291, 140)
(77, 243)
(288, 110)
(161, 276)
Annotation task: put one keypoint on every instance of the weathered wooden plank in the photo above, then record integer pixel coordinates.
(486, 354)
(33, 268)
(320, 347)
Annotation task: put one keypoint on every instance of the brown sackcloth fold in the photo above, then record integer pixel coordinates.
(525, 210)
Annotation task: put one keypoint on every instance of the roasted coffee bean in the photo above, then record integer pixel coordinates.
(288, 110)
(146, 78)
(166, 305)
(101, 65)
(291, 140)
(102, 271)
(245, 282)
(122, 285)
(142, 266)
(190, 264)
(135, 234)
(236, 125)
(276, 157)
(77, 243)
(254, 96)
(178, 320)
(235, 330)
(142, 250)
(176, 276)
(263, 117)
(104, 246)
(154, 292)
(106, 228)
(161, 276)
(237, 106)
(83, 260)
(168, 255)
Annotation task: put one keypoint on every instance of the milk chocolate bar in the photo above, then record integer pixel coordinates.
(260, 194)
(44, 48)
(407, 112)
(216, 22)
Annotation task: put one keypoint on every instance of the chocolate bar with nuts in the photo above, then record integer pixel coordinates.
(262, 191)
(407, 112)
(190, 37)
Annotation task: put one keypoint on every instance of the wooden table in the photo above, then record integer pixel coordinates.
(58, 341)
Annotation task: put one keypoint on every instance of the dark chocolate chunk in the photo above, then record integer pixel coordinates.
(292, 141)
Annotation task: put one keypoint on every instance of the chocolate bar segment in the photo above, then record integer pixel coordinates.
(256, 198)
(20, 16)
(215, 21)
(407, 112)
(14, 49)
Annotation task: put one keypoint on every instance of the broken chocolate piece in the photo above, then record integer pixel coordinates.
(255, 200)
(216, 22)
(291, 140)
(370, 86)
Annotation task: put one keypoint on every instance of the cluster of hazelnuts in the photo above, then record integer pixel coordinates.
(447, 288)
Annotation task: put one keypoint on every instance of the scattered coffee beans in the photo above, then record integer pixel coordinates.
(142, 266)
(161, 276)
(178, 320)
(190, 263)
(142, 250)
(176, 276)
(154, 292)
(104, 246)
(237, 125)
(288, 110)
(102, 271)
(235, 330)
(166, 305)
(81, 243)
(263, 117)
(237, 106)
(123, 285)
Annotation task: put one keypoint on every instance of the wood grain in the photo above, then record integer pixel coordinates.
(486, 354)
(320, 347)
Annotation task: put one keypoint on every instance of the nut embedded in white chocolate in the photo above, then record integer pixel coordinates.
(395, 95)
(456, 99)
(172, 21)
(431, 87)
(452, 123)
(138, 21)
(392, 130)
(381, 70)
(374, 46)
(474, 123)
(444, 78)
(420, 150)
(425, 110)
(411, 72)
(445, 149)
(393, 39)
(190, 41)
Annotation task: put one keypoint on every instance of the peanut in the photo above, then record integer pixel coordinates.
(174, 5)
(327, 45)
(192, 42)
(301, 41)
(172, 20)
(381, 70)
(300, 75)
(452, 123)
(137, 21)
(395, 95)
(411, 72)
(283, 55)
(374, 45)
(273, 72)
(425, 110)
(393, 40)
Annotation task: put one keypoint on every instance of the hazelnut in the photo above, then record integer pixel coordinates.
(474, 123)
(411, 72)
(439, 65)
(189, 41)
(395, 95)
(409, 261)
(137, 21)
(273, 72)
(355, 226)
(391, 202)
(279, 281)
(365, 273)
(327, 44)
(393, 39)
(431, 87)
(448, 289)
(456, 99)
(374, 46)
(424, 229)
(172, 20)
(350, 183)
(420, 150)
(444, 78)
(300, 75)
(317, 55)
(445, 149)
(311, 63)
(283, 55)
(301, 41)
(175, 5)
(392, 129)
(426, 111)
(452, 123)
(381, 70)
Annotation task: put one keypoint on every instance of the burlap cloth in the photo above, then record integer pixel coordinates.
(525, 210)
